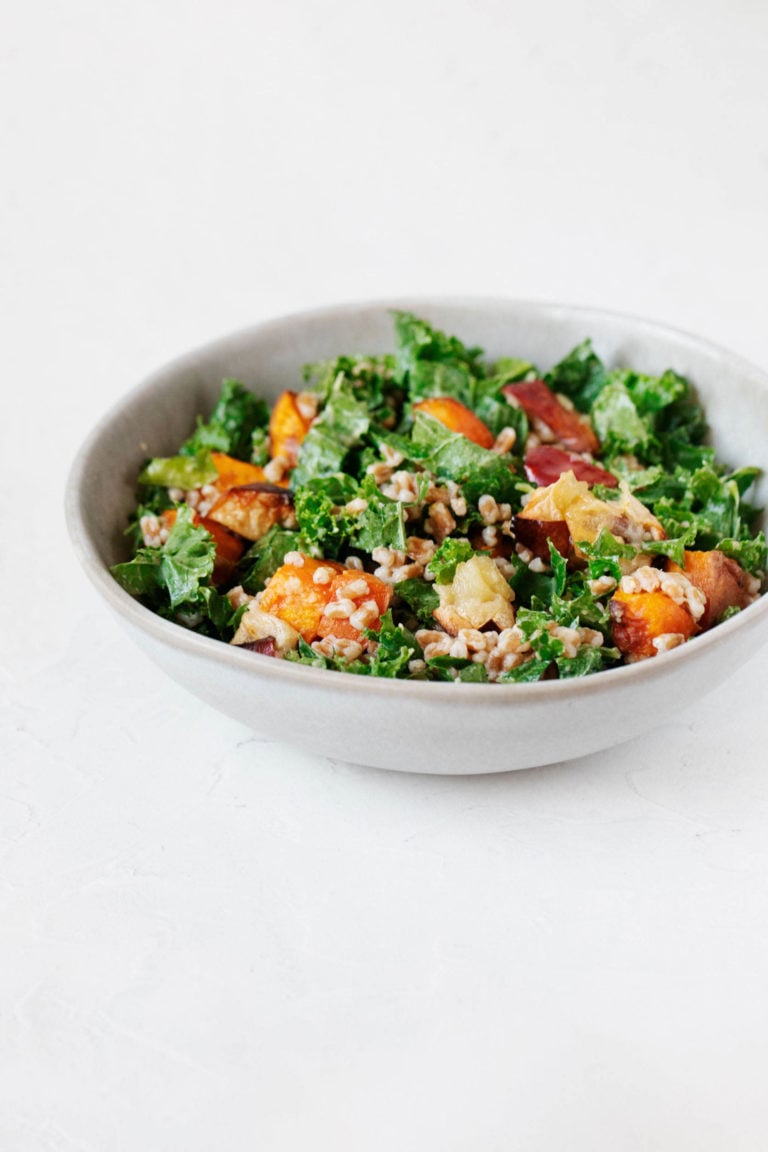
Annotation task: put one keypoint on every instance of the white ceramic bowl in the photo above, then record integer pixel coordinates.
(415, 727)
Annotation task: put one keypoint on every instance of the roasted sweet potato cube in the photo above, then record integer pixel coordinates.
(456, 416)
(252, 509)
(540, 403)
(233, 472)
(369, 595)
(295, 596)
(229, 547)
(545, 464)
(287, 428)
(724, 582)
(639, 618)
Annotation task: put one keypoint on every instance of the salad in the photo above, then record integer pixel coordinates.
(428, 514)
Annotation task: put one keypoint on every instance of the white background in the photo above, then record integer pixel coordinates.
(208, 942)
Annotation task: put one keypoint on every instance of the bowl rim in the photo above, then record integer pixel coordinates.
(207, 648)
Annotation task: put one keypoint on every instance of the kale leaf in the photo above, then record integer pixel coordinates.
(392, 648)
(265, 556)
(237, 415)
(430, 363)
(420, 598)
(476, 469)
(449, 555)
(581, 375)
(341, 425)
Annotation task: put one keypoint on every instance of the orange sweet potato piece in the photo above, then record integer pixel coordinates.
(724, 582)
(294, 596)
(252, 509)
(229, 547)
(287, 428)
(458, 418)
(347, 585)
(638, 618)
(540, 403)
(233, 472)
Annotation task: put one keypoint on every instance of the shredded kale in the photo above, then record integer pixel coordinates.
(421, 599)
(430, 363)
(477, 470)
(175, 579)
(341, 425)
(392, 648)
(370, 379)
(581, 375)
(265, 556)
(442, 567)
(234, 420)
(381, 523)
(325, 525)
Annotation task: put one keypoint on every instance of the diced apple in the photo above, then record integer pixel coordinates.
(540, 403)
(536, 535)
(257, 625)
(477, 595)
(267, 646)
(571, 500)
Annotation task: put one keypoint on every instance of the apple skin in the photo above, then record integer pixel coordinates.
(536, 534)
(545, 464)
(540, 403)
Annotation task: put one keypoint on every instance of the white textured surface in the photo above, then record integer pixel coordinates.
(210, 942)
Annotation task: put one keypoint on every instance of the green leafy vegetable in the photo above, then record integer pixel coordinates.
(476, 469)
(616, 420)
(187, 558)
(430, 363)
(237, 415)
(175, 579)
(449, 555)
(581, 375)
(263, 558)
(392, 648)
(325, 525)
(421, 598)
(381, 523)
(340, 426)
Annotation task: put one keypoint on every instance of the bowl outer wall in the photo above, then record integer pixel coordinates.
(451, 728)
